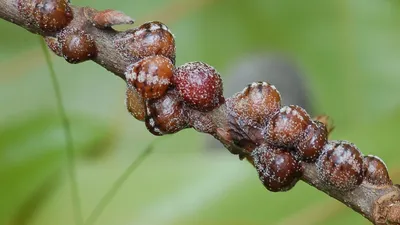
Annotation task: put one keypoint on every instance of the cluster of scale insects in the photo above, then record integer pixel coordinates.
(276, 140)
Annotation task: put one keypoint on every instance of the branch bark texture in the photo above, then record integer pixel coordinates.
(84, 33)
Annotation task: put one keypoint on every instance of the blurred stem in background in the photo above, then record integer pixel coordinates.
(69, 143)
(110, 194)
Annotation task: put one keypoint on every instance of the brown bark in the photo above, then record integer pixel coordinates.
(379, 204)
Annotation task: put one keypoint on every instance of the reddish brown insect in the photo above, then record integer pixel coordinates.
(277, 168)
(341, 165)
(310, 146)
(256, 104)
(288, 126)
(77, 46)
(199, 85)
(150, 76)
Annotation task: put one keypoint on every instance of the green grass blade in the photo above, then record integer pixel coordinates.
(68, 137)
(106, 199)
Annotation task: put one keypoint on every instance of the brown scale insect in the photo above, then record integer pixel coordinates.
(135, 104)
(256, 104)
(77, 46)
(277, 168)
(199, 85)
(153, 38)
(341, 165)
(288, 126)
(150, 76)
(165, 115)
(375, 171)
(49, 15)
(310, 146)
(250, 110)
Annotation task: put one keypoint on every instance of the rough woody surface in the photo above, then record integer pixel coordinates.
(379, 204)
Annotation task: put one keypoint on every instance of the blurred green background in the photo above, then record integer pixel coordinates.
(348, 51)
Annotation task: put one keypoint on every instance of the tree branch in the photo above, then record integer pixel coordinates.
(107, 56)
(116, 51)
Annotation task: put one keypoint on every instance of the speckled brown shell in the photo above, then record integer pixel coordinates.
(135, 104)
(165, 115)
(375, 171)
(152, 38)
(77, 46)
(277, 168)
(49, 15)
(256, 104)
(150, 76)
(340, 165)
(288, 126)
(199, 85)
(310, 146)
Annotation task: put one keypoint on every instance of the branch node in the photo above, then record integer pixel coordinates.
(107, 18)
(386, 209)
